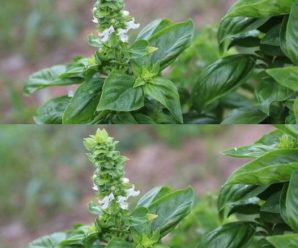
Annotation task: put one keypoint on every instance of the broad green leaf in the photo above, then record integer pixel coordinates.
(285, 76)
(171, 41)
(171, 209)
(268, 92)
(118, 94)
(152, 28)
(165, 92)
(265, 144)
(153, 195)
(49, 241)
(292, 34)
(284, 241)
(221, 78)
(47, 78)
(232, 235)
(260, 8)
(235, 29)
(270, 211)
(117, 243)
(271, 43)
(273, 167)
(251, 151)
(236, 195)
(291, 211)
(245, 116)
(52, 111)
(271, 139)
(83, 104)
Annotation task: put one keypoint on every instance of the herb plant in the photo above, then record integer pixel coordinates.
(122, 82)
(258, 84)
(118, 224)
(262, 194)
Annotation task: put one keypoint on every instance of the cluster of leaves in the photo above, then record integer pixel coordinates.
(155, 215)
(263, 75)
(262, 194)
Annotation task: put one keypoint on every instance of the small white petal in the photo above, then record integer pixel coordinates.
(95, 187)
(125, 180)
(132, 25)
(122, 33)
(131, 192)
(105, 202)
(95, 20)
(122, 201)
(105, 35)
(125, 13)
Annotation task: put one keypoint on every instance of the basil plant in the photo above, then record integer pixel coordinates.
(258, 81)
(262, 195)
(119, 223)
(122, 82)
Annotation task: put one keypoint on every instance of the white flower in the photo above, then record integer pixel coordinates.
(122, 33)
(105, 202)
(132, 25)
(125, 180)
(105, 35)
(122, 201)
(95, 187)
(125, 13)
(131, 192)
(95, 20)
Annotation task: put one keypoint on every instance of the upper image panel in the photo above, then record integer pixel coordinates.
(149, 62)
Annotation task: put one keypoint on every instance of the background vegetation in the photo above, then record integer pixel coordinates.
(39, 33)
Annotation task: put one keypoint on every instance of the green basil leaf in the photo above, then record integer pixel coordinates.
(232, 235)
(268, 91)
(260, 8)
(245, 116)
(277, 165)
(83, 104)
(271, 43)
(49, 241)
(153, 195)
(171, 209)
(171, 41)
(117, 243)
(152, 28)
(251, 151)
(292, 34)
(265, 144)
(284, 241)
(52, 111)
(236, 195)
(165, 92)
(286, 76)
(270, 211)
(221, 78)
(234, 29)
(47, 78)
(118, 94)
(291, 204)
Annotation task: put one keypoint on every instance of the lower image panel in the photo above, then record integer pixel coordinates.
(160, 186)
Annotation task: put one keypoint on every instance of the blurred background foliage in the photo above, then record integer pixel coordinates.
(39, 33)
(45, 176)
